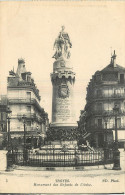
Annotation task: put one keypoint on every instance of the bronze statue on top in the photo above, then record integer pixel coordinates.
(62, 45)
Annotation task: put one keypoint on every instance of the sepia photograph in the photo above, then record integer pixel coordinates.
(62, 97)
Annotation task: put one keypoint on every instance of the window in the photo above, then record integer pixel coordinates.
(121, 78)
(99, 107)
(118, 104)
(28, 78)
(1, 116)
(100, 123)
(99, 93)
(29, 108)
(19, 140)
(29, 123)
(98, 78)
(23, 76)
(29, 96)
(118, 122)
(117, 92)
(109, 77)
(4, 116)
(2, 127)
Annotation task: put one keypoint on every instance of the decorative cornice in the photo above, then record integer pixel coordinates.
(63, 74)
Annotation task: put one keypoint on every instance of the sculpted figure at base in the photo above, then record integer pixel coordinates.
(62, 45)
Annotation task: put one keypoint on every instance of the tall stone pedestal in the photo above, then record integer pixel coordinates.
(63, 79)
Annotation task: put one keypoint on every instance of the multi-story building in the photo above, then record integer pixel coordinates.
(82, 123)
(105, 90)
(3, 119)
(24, 100)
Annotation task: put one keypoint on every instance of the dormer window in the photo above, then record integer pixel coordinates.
(28, 78)
(121, 78)
(118, 104)
(99, 92)
(99, 107)
(98, 77)
(23, 76)
(100, 123)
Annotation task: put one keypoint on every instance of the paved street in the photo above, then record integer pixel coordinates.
(89, 180)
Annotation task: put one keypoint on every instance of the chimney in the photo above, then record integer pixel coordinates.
(21, 67)
(114, 59)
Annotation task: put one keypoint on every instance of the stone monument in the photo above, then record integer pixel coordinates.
(63, 79)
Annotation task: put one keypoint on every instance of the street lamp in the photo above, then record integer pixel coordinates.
(106, 149)
(43, 137)
(116, 151)
(37, 128)
(8, 117)
(105, 117)
(24, 149)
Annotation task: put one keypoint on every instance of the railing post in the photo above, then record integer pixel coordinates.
(64, 158)
(106, 155)
(24, 149)
(53, 157)
(75, 157)
(116, 155)
(9, 161)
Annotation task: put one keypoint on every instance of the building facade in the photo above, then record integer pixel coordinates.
(82, 123)
(24, 101)
(3, 120)
(105, 90)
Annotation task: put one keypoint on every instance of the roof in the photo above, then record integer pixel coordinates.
(111, 68)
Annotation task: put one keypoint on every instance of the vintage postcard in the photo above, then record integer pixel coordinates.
(62, 97)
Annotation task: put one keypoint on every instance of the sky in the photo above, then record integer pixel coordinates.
(29, 29)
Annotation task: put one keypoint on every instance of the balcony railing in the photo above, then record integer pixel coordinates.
(104, 96)
(21, 100)
(26, 101)
(21, 129)
(28, 128)
(103, 112)
(28, 115)
(27, 83)
(110, 126)
(32, 116)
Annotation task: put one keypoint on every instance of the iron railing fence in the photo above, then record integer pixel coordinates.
(58, 158)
